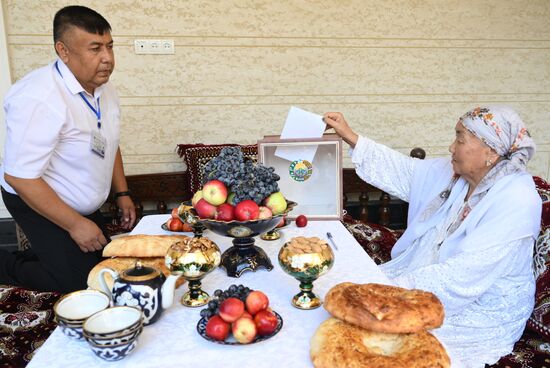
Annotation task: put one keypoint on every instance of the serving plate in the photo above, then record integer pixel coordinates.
(165, 228)
(201, 329)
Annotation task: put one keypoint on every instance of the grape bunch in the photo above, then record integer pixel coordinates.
(234, 291)
(242, 176)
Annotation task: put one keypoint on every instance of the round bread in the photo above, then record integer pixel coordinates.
(120, 264)
(339, 344)
(141, 245)
(384, 308)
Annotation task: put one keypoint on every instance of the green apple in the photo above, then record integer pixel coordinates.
(196, 197)
(231, 199)
(276, 202)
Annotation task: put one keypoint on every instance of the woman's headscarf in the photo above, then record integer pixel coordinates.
(501, 128)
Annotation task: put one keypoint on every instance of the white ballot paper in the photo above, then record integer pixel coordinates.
(300, 124)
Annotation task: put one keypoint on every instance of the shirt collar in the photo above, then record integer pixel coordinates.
(72, 83)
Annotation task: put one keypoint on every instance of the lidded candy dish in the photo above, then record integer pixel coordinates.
(193, 259)
(306, 259)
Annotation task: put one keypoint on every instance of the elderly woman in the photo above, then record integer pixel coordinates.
(472, 222)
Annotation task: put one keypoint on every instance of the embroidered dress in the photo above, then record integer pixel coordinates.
(475, 255)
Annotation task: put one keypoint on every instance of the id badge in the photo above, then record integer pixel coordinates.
(98, 144)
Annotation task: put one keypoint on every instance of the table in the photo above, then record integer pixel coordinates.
(173, 340)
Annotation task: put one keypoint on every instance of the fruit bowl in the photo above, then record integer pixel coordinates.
(243, 255)
(254, 307)
(246, 229)
(201, 329)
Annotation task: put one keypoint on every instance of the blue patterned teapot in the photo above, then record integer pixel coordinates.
(142, 287)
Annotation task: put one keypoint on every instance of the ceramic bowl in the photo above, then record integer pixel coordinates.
(72, 310)
(75, 307)
(113, 322)
(114, 352)
(121, 339)
(72, 331)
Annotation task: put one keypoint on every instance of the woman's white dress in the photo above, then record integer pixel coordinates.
(483, 277)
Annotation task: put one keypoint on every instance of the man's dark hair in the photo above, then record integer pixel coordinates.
(81, 17)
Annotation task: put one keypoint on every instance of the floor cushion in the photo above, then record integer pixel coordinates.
(26, 321)
(376, 240)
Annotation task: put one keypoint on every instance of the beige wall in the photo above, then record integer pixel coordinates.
(401, 71)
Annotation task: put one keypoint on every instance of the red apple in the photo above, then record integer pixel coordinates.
(187, 228)
(217, 328)
(246, 210)
(247, 315)
(265, 213)
(175, 224)
(256, 301)
(301, 221)
(282, 222)
(205, 210)
(215, 192)
(244, 330)
(225, 212)
(276, 202)
(196, 197)
(266, 322)
(175, 213)
(231, 309)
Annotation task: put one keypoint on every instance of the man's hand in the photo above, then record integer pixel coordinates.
(336, 121)
(128, 212)
(87, 235)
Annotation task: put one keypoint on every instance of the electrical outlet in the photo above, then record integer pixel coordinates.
(141, 47)
(167, 46)
(154, 46)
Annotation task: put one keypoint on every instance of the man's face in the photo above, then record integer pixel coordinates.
(89, 56)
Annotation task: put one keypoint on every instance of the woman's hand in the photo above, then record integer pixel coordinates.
(336, 121)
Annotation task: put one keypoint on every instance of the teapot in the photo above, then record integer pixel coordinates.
(142, 287)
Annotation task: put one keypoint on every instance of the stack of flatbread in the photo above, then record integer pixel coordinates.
(380, 326)
(125, 251)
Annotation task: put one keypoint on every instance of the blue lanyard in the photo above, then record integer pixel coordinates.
(97, 112)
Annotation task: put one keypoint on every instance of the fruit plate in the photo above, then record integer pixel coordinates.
(201, 328)
(165, 228)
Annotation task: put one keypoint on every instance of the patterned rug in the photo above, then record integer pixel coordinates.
(26, 321)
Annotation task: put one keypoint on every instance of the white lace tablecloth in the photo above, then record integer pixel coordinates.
(173, 340)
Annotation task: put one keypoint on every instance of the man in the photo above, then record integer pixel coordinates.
(62, 157)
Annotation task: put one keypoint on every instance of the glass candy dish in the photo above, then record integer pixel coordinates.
(306, 259)
(193, 258)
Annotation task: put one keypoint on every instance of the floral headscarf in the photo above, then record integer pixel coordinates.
(501, 128)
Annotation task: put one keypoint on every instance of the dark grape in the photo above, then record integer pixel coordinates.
(244, 177)
(233, 291)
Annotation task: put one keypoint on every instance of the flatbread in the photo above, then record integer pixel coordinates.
(337, 344)
(141, 245)
(384, 308)
(120, 264)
